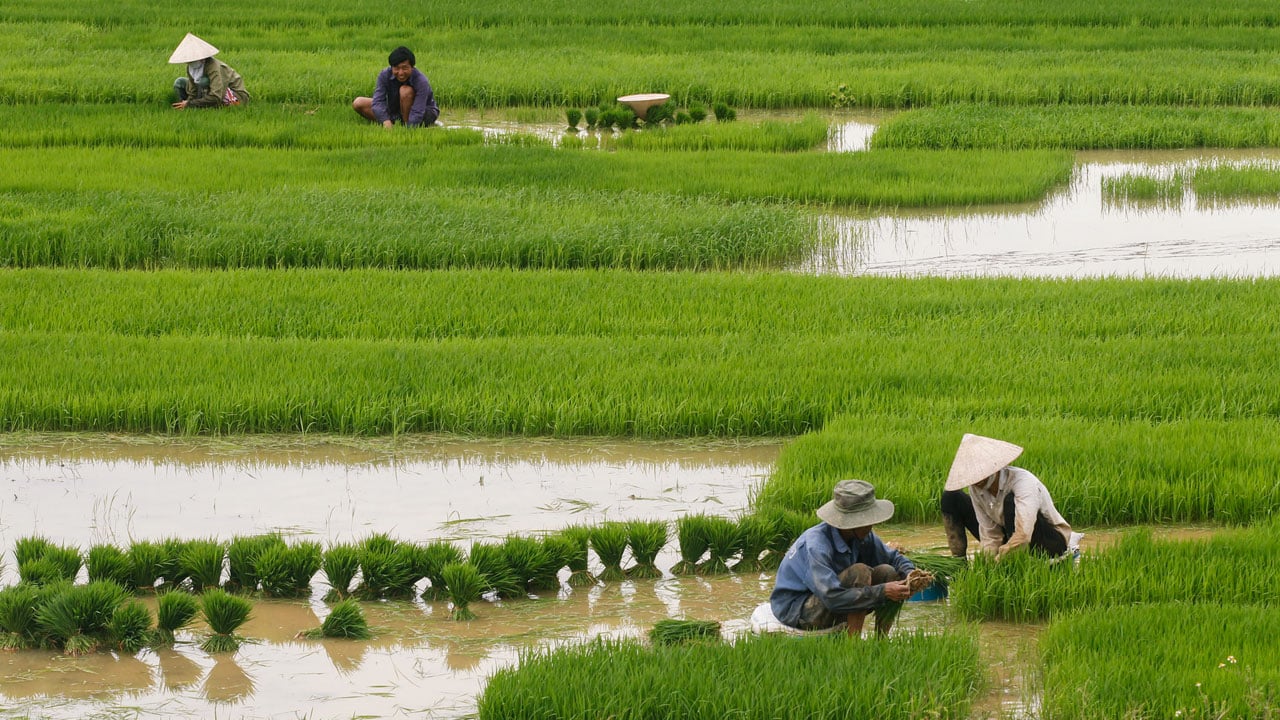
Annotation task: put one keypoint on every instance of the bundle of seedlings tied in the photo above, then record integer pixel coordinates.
(693, 541)
(578, 538)
(465, 584)
(723, 542)
(340, 564)
(609, 540)
(534, 563)
(496, 574)
(389, 569)
(242, 560)
(285, 571)
(755, 532)
(224, 613)
(174, 610)
(646, 538)
(436, 555)
(346, 620)
(40, 562)
(675, 632)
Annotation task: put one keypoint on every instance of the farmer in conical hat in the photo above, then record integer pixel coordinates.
(401, 94)
(209, 82)
(838, 570)
(1006, 508)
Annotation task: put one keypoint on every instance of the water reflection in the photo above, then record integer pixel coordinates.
(1075, 233)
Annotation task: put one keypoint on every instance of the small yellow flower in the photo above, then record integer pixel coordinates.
(1222, 665)
(1231, 659)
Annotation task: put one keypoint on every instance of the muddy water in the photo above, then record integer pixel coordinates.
(1075, 233)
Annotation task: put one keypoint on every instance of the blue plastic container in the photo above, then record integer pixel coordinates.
(936, 591)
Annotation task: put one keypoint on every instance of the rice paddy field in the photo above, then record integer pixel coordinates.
(304, 417)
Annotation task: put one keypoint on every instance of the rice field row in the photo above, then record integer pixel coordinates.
(907, 676)
(1077, 127)
(1233, 567)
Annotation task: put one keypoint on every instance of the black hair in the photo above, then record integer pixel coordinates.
(401, 54)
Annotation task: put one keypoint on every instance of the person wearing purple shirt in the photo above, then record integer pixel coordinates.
(838, 570)
(402, 94)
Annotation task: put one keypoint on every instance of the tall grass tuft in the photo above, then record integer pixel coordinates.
(693, 540)
(436, 555)
(203, 561)
(147, 560)
(345, 620)
(646, 539)
(108, 562)
(242, 558)
(224, 613)
(465, 583)
(579, 560)
(675, 632)
(130, 627)
(175, 609)
(340, 564)
(31, 548)
(723, 542)
(76, 619)
(528, 559)
(496, 573)
(609, 539)
(755, 533)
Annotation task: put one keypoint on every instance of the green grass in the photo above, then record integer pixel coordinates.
(345, 620)
(1163, 660)
(1132, 187)
(609, 540)
(465, 583)
(646, 538)
(624, 678)
(1227, 182)
(675, 632)
(766, 136)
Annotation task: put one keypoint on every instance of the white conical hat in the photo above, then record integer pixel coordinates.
(978, 458)
(190, 49)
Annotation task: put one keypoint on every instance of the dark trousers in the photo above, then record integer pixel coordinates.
(816, 616)
(1045, 538)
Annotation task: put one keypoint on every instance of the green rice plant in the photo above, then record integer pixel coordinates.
(242, 558)
(175, 609)
(574, 116)
(44, 571)
(19, 609)
(31, 548)
(646, 538)
(609, 540)
(389, 569)
(340, 564)
(942, 567)
(41, 562)
(174, 567)
(723, 542)
(108, 562)
(1224, 182)
(675, 632)
(345, 620)
(723, 112)
(147, 559)
(592, 116)
(560, 551)
(1178, 660)
(755, 533)
(789, 526)
(286, 570)
(528, 558)
(495, 571)
(203, 561)
(578, 538)
(224, 613)
(1132, 187)
(465, 583)
(693, 539)
(76, 619)
(436, 555)
(130, 627)
(616, 678)
(766, 136)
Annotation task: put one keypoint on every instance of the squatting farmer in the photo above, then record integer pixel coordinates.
(209, 82)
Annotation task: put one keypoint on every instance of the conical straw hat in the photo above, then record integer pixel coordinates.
(190, 49)
(978, 458)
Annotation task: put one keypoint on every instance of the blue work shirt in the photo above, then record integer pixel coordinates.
(812, 567)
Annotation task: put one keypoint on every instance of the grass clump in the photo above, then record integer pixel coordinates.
(41, 562)
(693, 539)
(436, 555)
(147, 559)
(609, 539)
(224, 613)
(242, 558)
(1133, 187)
(755, 534)
(534, 564)
(675, 632)
(286, 570)
(345, 620)
(389, 568)
(19, 611)
(578, 538)
(497, 575)
(203, 562)
(76, 618)
(108, 562)
(466, 584)
(723, 542)
(175, 609)
(130, 627)
(646, 539)
(340, 564)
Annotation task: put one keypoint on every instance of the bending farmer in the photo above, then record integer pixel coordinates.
(209, 83)
(1006, 508)
(838, 570)
(402, 94)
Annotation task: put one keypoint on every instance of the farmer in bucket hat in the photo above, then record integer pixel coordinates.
(209, 82)
(1006, 508)
(838, 570)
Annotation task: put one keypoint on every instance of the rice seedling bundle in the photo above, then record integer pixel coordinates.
(437, 554)
(286, 570)
(693, 540)
(675, 632)
(530, 560)
(560, 551)
(646, 538)
(465, 583)
(224, 613)
(496, 573)
(130, 627)
(340, 564)
(175, 609)
(1225, 182)
(41, 562)
(388, 571)
(626, 678)
(242, 557)
(147, 559)
(345, 620)
(1141, 188)
(609, 540)
(19, 609)
(755, 533)
(202, 561)
(173, 567)
(1162, 660)
(942, 568)
(108, 562)
(579, 539)
(30, 548)
(76, 618)
(767, 136)
(790, 525)
(44, 571)
(723, 542)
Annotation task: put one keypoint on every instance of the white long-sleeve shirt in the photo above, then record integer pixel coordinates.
(1030, 498)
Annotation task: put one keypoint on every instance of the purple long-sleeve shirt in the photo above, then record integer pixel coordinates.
(424, 110)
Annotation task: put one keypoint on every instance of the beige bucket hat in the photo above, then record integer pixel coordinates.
(853, 504)
(978, 458)
(191, 49)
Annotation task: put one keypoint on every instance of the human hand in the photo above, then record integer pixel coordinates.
(897, 591)
(180, 105)
(388, 124)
